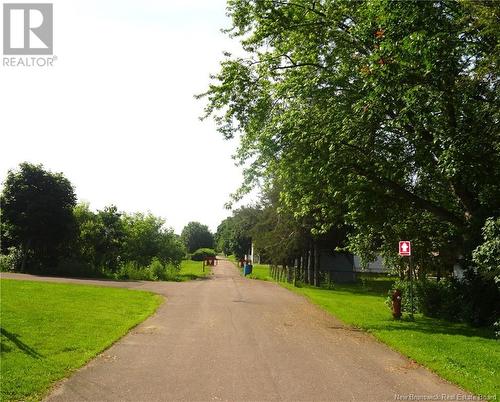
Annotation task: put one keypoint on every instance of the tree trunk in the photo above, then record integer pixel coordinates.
(302, 269)
(309, 267)
(295, 268)
(316, 265)
(25, 248)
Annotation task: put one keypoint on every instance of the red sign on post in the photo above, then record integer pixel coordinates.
(404, 248)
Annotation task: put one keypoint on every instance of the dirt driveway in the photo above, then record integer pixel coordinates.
(235, 339)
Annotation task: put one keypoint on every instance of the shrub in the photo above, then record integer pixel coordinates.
(10, 261)
(155, 271)
(481, 299)
(131, 270)
(71, 266)
(487, 255)
(404, 287)
(202, 253)
(6, 263)
(159, 271)
(474, 300)
(440, 299)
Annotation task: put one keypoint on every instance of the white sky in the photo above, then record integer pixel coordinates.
(116, 113)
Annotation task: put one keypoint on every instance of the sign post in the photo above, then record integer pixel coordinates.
(405, 251)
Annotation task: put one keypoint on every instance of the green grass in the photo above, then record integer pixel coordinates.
(260, 271)
(193, 270)
(48, 330)
(469, 357)
(232, 258)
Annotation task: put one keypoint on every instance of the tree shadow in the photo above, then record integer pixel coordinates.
(191, 277)
(14, 338)
(367, 287)
(428, 325)
(422, 324)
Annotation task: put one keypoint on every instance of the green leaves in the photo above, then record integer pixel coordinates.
(37, 214)
(195, 236)
(234, 234)
(487, 255)
(382, 115)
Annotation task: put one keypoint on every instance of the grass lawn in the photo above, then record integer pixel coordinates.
(48, 330)
(469, 357)
(260, 271)
(193, 270)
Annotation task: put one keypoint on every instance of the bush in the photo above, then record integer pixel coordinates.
(202, 253)
(487, 255)
(475, 299)
(155, 271)
(162, 272)
(10, 261)
(6, 264)
(440, 299)
(481, 299)
(404, 287)
(131, 270)
(71, 266)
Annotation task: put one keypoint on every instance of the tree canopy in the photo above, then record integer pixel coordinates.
(234, 234)
(382, 115)
(43, 230)
(37, 214)
(196, 235)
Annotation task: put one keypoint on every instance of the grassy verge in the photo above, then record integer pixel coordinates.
(260, 271)
(48, 330)
(193, 270)
(469, 357)
(232, 258)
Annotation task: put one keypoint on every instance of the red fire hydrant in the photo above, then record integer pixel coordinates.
(396, 304)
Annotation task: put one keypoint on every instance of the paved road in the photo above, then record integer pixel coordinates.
(234, 339)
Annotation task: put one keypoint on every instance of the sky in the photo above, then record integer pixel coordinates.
(116, 113)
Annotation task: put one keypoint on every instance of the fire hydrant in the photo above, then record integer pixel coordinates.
(396, 304)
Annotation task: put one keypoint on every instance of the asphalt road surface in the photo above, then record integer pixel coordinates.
(233, 339)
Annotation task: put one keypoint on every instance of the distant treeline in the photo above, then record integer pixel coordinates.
(45, 231)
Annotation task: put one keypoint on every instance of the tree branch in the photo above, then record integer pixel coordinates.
(419, 202)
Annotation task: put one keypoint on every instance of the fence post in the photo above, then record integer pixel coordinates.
(316, 265)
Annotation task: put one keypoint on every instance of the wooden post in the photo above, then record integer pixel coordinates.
(295, 267)
(316, 265)
(302, 269)
(309, 267)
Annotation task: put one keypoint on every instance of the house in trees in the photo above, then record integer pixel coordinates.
(338, 267)
(342, 267)
(375, 267)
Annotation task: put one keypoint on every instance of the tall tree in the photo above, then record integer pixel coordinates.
(146, 237)
(195, 236)
(384, 111)
(101, 236)
(234, 235)
(37, 215)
